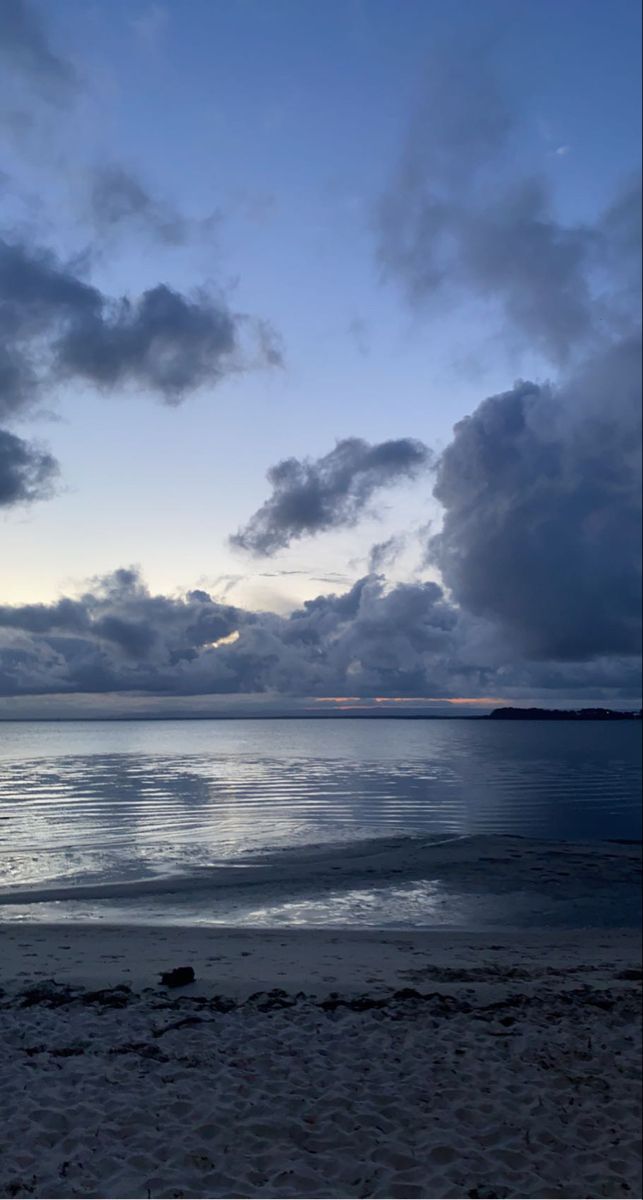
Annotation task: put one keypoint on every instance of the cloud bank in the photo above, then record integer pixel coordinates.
(310, 496)
(405, 641)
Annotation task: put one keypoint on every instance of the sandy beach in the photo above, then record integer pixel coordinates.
(319, 1063)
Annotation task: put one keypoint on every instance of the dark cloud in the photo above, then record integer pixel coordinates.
(116, 635)
(409, 640)
(457, 218)
(313, 495)
(64, 616)
(26, 472)
(371, 641)
(18, 382)
(119, 200)
(119, 637)
(163, 341)
(25, 48)
(541, 489)
(541, 485)
(57, 326)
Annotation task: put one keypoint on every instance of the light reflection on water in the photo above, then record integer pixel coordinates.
(423, 904)
(99, 801)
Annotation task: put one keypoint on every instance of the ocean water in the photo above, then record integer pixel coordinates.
(385, 823)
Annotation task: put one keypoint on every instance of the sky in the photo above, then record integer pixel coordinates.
(320, 357)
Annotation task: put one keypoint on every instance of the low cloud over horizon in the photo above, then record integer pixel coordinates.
(370, 641)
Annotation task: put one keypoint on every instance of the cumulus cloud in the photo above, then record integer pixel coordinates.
(164, 341)
(541, 488)
(457, 218)
(541, 485)
(117, 636)
(25, 48)
(26, 472)
(58, 326)
(114, 636)
(371, 640)
(313, 495)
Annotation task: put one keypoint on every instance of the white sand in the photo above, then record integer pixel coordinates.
(516, 1074)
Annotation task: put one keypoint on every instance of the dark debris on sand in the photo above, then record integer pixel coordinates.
(404, 1002)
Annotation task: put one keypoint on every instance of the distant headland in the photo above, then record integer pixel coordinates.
(562, 714)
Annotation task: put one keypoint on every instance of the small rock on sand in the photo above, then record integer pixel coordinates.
(178, 977)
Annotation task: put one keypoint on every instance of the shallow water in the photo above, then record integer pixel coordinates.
(268, 821)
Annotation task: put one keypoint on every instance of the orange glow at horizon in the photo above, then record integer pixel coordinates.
(368, 701)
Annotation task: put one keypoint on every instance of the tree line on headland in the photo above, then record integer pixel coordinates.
(562, 714)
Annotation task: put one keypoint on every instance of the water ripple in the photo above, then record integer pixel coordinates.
(86, 803)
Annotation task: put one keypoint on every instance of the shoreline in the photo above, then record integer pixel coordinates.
(326, 1063)
(550, 871)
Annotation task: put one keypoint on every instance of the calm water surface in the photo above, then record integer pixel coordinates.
(248, 820)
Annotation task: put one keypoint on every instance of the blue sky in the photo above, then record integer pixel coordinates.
(272, 129)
